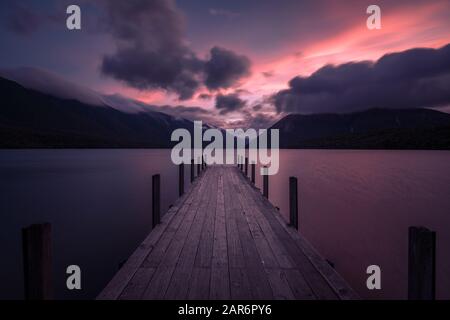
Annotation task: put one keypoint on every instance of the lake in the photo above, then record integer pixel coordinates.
(355, 207)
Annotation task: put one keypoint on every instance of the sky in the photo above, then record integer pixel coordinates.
(239, 63)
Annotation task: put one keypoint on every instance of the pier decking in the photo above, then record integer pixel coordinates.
(223, 240)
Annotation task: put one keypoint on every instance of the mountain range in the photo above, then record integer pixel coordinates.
(371, 129)
(32, 116)
(32, 119)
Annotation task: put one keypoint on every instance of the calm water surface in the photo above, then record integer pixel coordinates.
(355, 208)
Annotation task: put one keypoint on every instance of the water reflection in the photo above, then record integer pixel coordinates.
(354, 206)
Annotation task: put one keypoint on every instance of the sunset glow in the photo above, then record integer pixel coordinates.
(280, 40)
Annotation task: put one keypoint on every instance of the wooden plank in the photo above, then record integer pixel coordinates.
(199, 284)
(235, 254)
(263, 247)
(282, 257)
(277, 280)
(279, 284)
(115, 287)
(322, 278)
(203, 257)
(137, 285)
(239, 284)
(299, 286)
(316, 281)
(163, 274)
(220, 283)
(156, 255)
(220, 277)
(179, 284)
(223, 240)
(259, 283)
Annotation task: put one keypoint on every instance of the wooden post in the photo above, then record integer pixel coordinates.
(421, 264)
(198, 168)
(181, 179)
(192, 171)
(37, 261)
(156, 200)
(253, 172)
(246, 167)
(293, 202)
(266, 184)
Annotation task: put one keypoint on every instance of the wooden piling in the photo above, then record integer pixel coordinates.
(265, 184)
(192, 171)
(156, 200)
(293, 202)
(198, 168)
(253, 172)
(421, 264)
(37, 261)
(246, 167)
(181, 179)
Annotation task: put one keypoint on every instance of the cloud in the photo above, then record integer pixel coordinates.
(257, 107)
(205, 96)
(51, 83)
(184, 111)
(152, 52)
(225, 68)
(191, 113)
(410, 79)
(268, 74)
(229, 103)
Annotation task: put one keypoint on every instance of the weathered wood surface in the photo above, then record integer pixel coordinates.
(223, 240)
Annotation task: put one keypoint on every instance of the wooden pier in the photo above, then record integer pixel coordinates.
(223, 240)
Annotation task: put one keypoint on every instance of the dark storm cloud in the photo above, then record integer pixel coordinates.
(186, 112)
(257, 107)
(150, 47)
(204, 96)
(225, 68)
(229, 103)
(410, 79)
(152, 51)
